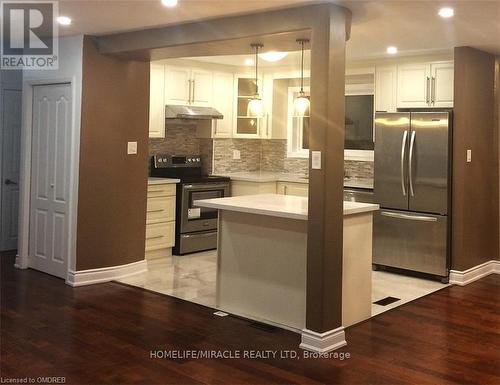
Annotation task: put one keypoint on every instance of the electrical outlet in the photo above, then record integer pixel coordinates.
(236, 154)
(132, 148)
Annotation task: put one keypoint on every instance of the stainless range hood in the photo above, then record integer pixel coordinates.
(191, 113)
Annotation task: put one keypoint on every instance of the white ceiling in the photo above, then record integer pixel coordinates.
(411, 25)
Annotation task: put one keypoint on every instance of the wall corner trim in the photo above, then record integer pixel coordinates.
(105, 274)
(465, 277)
(323, 342)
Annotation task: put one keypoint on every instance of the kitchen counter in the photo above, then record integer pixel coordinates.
(262, 259)
(152, 181)
(364, 183)
(265, 176)
(283, 206)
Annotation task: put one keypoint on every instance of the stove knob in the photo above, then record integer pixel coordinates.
(198, 159)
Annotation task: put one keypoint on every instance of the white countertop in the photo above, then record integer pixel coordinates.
(284, 206)
(162, 181)
(266, 176)
(365, 183)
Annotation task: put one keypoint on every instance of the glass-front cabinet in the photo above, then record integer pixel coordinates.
(247, 126)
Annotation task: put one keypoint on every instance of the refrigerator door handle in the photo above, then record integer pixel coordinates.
(410, 162)
(403, 147)
(421, 218)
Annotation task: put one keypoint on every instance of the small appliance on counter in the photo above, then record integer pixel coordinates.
(412, 186)
(195, 227)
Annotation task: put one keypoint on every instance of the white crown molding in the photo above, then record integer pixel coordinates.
(323, 342)
(105, 274)
(465, 277)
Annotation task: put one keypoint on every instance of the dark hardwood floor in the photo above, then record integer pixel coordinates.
(103, 334)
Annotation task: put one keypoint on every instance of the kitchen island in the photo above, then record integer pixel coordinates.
(262, 252)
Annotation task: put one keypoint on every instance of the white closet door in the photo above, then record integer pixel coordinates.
(50, 167)
(10, 145)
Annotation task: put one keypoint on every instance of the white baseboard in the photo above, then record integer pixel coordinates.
(105, 274)
(323, 342)
(465, 277)
(20, 263)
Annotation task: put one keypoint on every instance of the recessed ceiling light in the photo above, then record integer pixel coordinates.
(392, 50)
(169, 3)
(64, 20)
(249, 62)
(273, 56)
(446, 12)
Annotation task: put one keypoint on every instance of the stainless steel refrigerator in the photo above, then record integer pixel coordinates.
(412, 186)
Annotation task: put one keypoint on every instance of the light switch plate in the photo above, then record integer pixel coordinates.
(132, 148)
(236, 154)
(316, 160)
(469, 156)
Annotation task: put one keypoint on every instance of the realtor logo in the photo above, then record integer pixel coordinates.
(29, 35)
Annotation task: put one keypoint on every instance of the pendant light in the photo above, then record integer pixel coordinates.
(301, 103)
(255, 106)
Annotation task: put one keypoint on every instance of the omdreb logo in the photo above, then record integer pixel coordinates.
(29, 35)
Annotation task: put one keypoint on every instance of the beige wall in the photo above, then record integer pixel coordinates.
(476, 184)
(112, 187)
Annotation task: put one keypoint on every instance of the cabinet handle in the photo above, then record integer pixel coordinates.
(155, 211)
(285, 190)
(192, 97)
(427, 91)
(190, 91)
(433, 94)
(155, 237)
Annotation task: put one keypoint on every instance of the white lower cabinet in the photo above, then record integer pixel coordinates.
(293, 188)
(160, 220)
(239, 187)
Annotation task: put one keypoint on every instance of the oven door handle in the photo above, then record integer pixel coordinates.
(204, 186)
(204, 235)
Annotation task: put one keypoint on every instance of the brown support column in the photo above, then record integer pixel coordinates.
(330, 27)
(324, 330)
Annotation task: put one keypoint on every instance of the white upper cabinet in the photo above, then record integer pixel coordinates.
(188, 86)
(414, 85)
(425, 85)
(244, 125)
(442, 84)
(157, 101)
(201, 87)
(386, 82)
(177, 85)
(223, 102)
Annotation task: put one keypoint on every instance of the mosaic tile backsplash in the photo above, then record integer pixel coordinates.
(255, 154)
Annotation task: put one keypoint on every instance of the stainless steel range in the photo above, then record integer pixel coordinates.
(195, 227)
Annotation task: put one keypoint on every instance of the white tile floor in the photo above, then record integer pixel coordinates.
(193, 278)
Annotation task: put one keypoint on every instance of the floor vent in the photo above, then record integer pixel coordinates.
(264, 327)
(221, 314)
(386, 301)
